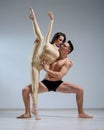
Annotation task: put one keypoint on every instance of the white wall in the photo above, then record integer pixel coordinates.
(81, 20)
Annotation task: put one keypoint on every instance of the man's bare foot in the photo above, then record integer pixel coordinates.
(32, 14)
(24, 116)
(83, 115)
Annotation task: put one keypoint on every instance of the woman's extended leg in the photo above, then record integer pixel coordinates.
(36, 27)
(35, 63)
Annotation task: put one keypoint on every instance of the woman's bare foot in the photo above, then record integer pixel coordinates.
(83, 115)
(24, 116)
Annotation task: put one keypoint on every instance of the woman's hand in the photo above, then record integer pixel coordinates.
(45, 65)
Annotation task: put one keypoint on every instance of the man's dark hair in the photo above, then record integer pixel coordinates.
(71, 46)
(57, 35)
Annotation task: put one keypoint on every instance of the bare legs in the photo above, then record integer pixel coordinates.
(26, 99)
(26, 91)
(79, 100)
(72, 88)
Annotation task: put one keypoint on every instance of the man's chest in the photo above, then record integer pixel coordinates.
(57, 65)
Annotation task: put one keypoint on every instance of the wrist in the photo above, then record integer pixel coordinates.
(47, 70)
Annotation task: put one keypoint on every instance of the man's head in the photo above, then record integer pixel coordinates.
(67, 47)
(71, 47)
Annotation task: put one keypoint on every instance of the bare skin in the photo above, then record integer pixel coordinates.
(56, 71)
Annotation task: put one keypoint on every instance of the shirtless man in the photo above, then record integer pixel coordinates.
(49, 53)
(53, 81)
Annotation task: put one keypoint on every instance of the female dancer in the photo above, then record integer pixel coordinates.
(49, 53)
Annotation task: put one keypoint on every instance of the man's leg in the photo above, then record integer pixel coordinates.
(26, 91)
(72, 88)
(26, 99)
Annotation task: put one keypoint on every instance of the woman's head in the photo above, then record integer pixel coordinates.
(58, 39)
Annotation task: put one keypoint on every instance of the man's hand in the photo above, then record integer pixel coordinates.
(71, 63)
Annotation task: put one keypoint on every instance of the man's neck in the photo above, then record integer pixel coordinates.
(62, 56)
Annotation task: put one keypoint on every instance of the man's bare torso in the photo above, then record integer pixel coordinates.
(57, 66)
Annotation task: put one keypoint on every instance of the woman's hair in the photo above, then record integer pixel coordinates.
(71, 46)
(57, 35)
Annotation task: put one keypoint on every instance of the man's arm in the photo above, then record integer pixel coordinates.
(57, 75)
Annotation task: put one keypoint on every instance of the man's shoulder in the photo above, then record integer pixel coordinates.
(68, 62)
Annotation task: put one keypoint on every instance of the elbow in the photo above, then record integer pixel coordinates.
(60, 75)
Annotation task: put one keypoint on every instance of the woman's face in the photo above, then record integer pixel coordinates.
(59, 41)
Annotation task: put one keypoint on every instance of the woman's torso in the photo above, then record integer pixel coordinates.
(49, 53)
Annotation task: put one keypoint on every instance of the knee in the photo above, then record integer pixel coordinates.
(25, 91)
(80, 91)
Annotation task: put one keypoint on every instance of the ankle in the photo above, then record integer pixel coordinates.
(35, 106)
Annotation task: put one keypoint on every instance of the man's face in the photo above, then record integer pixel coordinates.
(65, 47)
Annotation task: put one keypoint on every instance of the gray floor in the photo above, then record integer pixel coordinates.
(52, 120)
